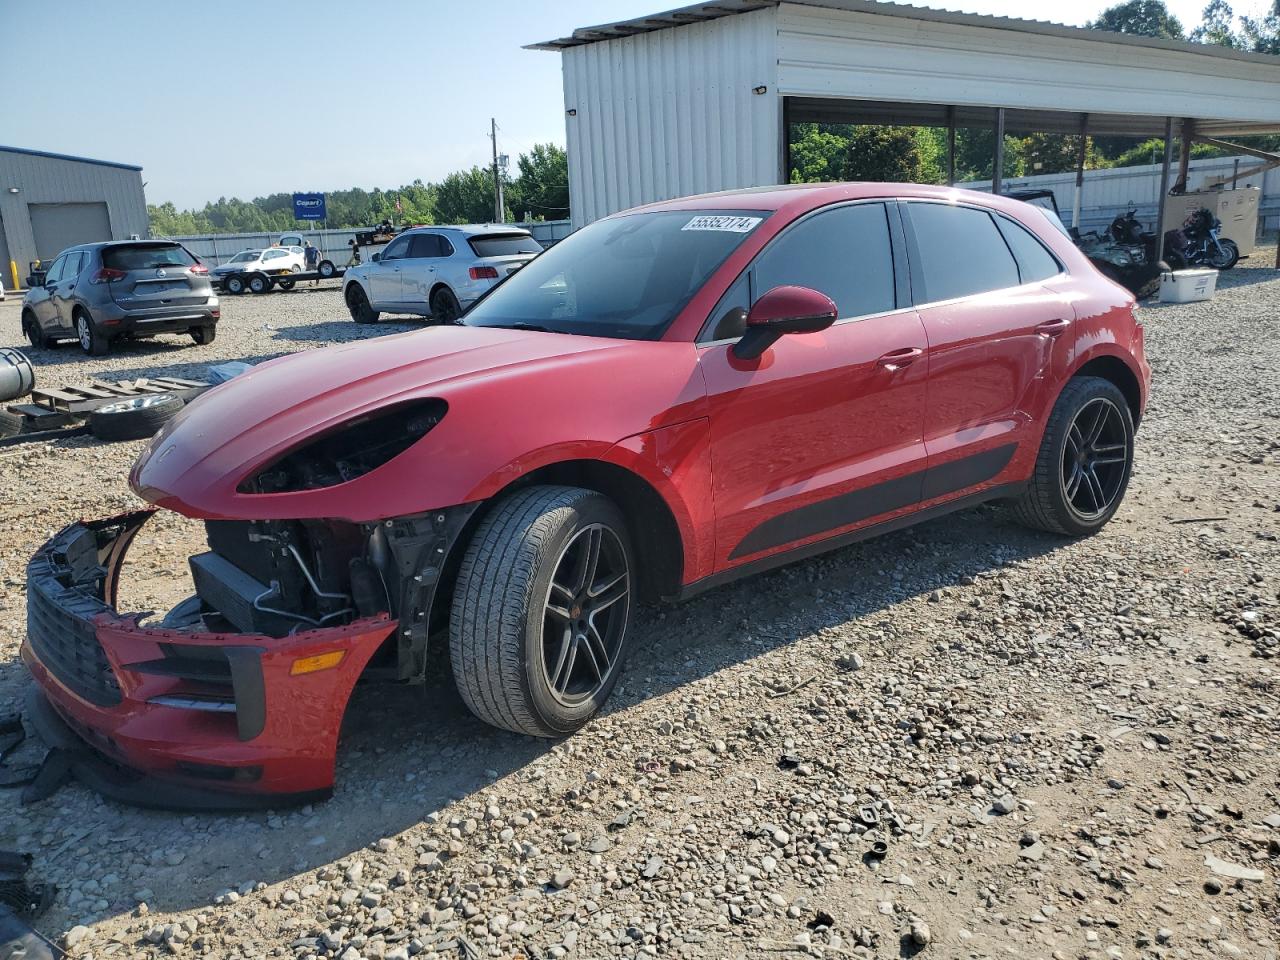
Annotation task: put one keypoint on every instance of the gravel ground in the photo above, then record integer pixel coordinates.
(1068, 748)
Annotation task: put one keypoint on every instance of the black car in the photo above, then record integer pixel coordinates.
(99, 292)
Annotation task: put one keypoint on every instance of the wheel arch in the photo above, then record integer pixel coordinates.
(1119, 372)
(655, 532)
(437, 287)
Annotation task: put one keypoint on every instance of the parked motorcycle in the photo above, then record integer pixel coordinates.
(1198, 244)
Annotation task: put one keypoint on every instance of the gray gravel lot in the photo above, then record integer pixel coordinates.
(1069, 748)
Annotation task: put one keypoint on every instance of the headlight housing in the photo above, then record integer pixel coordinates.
(353, 449)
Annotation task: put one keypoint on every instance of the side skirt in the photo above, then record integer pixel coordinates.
(843, 540)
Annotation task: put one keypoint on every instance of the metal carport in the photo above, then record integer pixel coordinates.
(700, 98)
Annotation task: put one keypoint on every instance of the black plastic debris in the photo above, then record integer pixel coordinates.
(20, 902)
(788, 761)
(821, 919)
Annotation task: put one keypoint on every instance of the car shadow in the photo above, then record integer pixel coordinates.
(408, 752)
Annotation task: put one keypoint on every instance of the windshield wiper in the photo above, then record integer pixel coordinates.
(538, 328)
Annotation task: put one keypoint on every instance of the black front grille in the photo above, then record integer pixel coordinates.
(62, 635)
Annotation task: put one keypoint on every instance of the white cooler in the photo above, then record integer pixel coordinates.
(1188, 286)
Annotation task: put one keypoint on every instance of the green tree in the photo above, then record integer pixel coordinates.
(1143, 18)
(542, 187)
(1216, 26)
(890, 154)
(1262, 34)
(466, 197)
(817, 151)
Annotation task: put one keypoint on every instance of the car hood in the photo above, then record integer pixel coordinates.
(493, 380)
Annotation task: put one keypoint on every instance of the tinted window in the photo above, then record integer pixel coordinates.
(148, 255)
(399, 247)
(961, 252)
(428, 245)
(55, 271)
(504, 245)
(844, 253)
(246, 256)
(622, 277)
(1034, 261)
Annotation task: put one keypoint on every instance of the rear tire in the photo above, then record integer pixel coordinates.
(358, 304)
(1084, 463)
(234, 284)
(259, 283)
(285, 284)
(538, 628)
(203, 335)
(445, 307)
(326, 269)
(92, 341)
(134, 419)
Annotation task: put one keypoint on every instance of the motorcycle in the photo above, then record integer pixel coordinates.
(1197, 243)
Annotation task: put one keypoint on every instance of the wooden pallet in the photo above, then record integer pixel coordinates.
(84, 397)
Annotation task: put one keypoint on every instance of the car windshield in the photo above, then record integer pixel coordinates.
(246, 256)
(504, 245)
(624, 277)
(145, 256)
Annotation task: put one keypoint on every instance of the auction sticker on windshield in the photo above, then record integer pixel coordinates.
(726, 224)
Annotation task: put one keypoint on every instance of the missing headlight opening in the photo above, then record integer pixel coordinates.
(351, 450)
(279, 578)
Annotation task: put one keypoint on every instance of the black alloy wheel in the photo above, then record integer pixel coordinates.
(585, 614)
(1095, 459)
(1085, 459)
(445, 307)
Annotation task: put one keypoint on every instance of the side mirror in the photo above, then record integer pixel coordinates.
(377, 256)
(780, 311)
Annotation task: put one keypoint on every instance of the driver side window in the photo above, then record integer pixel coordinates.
(56, 271)
(844, 252)
(397, 249)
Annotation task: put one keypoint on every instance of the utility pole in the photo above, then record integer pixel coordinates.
(498, 205)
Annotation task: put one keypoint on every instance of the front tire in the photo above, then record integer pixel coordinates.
(326, 269)
(1085, 460)
(234, 284)
(538, 627)
(358, 304)
(35, 336)
(1229, 257)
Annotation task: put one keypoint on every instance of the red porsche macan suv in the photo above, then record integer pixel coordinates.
(671, 398)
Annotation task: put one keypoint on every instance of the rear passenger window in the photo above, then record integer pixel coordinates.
(844, 253)
(961, 252)
(1034, 261)
(428, 246)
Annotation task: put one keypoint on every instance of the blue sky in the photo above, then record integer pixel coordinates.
(377, 93)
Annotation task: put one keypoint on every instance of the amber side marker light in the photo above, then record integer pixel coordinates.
(321, 661)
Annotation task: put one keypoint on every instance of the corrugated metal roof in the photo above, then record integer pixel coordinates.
(67, 156)
(699, 12)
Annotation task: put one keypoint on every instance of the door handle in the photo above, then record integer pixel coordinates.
(1053, 328)
(897, 359)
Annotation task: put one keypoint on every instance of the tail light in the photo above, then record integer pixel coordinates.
(483, 273)
(198, 268)
(107, 274)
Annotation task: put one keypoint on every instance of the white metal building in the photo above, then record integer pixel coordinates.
(699, 99)
(49, 201)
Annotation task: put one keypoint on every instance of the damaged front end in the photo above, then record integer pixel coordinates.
(235, 697)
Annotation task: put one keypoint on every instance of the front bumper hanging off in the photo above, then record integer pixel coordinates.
(177, 718)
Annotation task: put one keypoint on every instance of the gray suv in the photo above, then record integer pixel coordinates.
(99, 292)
